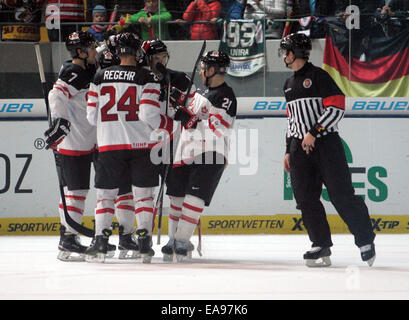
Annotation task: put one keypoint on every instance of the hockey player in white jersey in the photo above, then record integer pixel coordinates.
(124, 207)
(202, 151)
(72, 136)
(123, 102)
(175, 85)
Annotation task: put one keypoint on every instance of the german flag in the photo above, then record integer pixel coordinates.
(384, 74)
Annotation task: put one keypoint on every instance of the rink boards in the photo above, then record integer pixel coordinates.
(254, 195)
(213, 225)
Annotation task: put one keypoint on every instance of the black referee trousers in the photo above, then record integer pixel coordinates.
(327, 164)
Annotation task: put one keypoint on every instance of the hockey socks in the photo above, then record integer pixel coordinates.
(75, 201)
(192, 208)
(174, 215)
(143, 199)
(125, 212)
(105, 209)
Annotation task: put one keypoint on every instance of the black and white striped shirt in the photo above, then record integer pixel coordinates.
(315, 104)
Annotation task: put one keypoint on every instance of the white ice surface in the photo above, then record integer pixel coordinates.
(253, 267)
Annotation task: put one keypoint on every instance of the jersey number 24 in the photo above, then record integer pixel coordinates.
(127, 102)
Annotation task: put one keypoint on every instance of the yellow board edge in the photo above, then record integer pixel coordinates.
(217, 225)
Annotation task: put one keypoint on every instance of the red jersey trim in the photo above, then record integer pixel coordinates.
(150, 102)
(337, 101)
(125, 147)
(75, 152)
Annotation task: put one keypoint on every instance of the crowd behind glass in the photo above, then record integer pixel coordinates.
(200, 19)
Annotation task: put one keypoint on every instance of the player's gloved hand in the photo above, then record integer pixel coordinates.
(176, 97)
(56, 134)
(188, 119)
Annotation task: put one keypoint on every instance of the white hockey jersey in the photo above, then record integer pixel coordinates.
(123, 102)
(68, 100)
(216, 108)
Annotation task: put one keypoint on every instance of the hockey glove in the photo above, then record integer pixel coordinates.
(176, 97)
(187, 118)
(56, 134)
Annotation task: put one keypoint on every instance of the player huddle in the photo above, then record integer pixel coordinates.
(113, 117)
(109, 106)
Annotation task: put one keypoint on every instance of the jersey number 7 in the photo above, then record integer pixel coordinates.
(126, 103)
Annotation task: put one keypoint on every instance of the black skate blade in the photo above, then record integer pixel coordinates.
(125, 254)
(97, 258)
(146, 258)
(318, 263)
(168, 257)
(110, 254)
(181, 258)
(68, 256)
(371, 261)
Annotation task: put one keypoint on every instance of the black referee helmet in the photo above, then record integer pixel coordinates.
(298, 43)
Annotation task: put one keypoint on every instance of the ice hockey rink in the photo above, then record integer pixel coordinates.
(250, 267)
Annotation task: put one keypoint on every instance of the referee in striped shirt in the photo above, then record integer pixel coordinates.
(315, 155)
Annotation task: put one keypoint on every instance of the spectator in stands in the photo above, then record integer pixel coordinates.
(203, 10)
(69, 11)
(361, 38)
(393, 6)
(311, 13)
(153, 23)
(394, 17)
(291, 11)
(177, 31)
(317, 8)
(98, 15)
(233, 9)
(20, 13)
(269, 10)
(128, 6)
(367, 9)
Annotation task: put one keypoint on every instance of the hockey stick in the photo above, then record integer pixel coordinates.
(166, 76)
(159, 200)
(199, 233)
(72, 223)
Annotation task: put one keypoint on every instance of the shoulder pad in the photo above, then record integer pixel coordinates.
(98, 76)
(75, 76)
(146, 76)
(223, 98)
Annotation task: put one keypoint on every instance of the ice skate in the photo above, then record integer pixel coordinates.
(190, 249)
(318, 257)
(168, 250)
(183, 250)
(145, 245)
(111, 248)
(368, 253)
(99, 250)
(128, 246)
(70, 248)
